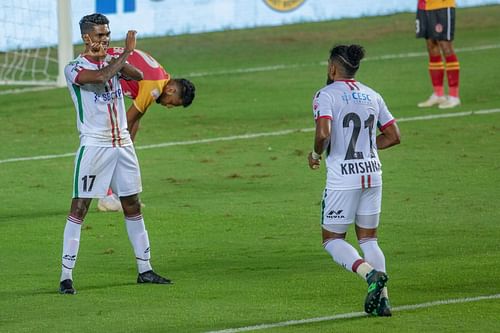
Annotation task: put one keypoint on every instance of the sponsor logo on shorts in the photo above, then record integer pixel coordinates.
(439, 28)
(335, 214)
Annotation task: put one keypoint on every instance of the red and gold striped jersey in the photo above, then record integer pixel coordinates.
(436, 4)
(146, 91)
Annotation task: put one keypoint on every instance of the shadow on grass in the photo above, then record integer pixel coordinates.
(30, 215)
(55, 291)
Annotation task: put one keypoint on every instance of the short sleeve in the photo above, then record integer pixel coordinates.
(385, 118)
(72, 70)
(149, 91)
(322, 105)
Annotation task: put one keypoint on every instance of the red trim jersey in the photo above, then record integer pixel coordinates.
(436, 4)
(355, 111)
(100, 109)
(146, 91)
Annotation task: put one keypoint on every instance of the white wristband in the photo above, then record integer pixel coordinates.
(315, 156)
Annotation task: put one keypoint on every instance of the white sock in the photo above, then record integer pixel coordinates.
(71, 245)
(374, 255)
(138, 236)
(384, 293)
(343, 253)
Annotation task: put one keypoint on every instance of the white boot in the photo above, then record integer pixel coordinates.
(431, 101)
(451, 102)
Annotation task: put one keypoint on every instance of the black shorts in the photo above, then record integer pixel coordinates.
(437, 24)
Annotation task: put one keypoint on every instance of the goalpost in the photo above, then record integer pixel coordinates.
(35, 42)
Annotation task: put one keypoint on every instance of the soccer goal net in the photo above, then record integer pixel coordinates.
(35, 41)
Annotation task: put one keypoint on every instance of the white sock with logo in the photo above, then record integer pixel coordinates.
(342, 253)
(71, 244)
(138, 236)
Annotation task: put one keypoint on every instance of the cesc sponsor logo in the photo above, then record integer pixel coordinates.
(284, 5)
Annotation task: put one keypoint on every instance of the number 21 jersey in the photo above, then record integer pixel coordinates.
(355, 112)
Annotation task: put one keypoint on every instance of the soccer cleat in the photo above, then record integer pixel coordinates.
(376, 282)
(384, 308)
(110, 203)
(451, 102)
(66, 287)
(152, 277)
(431, 101)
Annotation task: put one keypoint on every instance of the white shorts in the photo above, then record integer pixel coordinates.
(339, 209)
(99, 168)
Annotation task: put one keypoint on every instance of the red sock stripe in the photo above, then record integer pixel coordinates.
(366, 240)
(74, 219)
(326, 242)
(134, 218)
(356, 264)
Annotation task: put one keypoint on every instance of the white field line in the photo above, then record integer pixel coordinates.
(323, 63)
(356, 314)
(250, 136)
(282, 66)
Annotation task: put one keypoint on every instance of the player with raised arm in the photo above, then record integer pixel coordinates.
(106, 156)
(347, 114)
(156, 87)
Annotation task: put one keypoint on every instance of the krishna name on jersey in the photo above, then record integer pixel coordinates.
(146, 91)
(100, 108)
(435, 4)
(354, 110)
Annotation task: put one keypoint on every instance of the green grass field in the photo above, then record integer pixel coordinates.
(236, 223)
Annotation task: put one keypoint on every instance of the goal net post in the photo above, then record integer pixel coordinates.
(35, 42)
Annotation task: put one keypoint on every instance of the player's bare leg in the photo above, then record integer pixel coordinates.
(71, 244)
(139, 239)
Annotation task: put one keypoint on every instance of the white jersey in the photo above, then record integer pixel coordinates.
(100, 109)
(354, 110)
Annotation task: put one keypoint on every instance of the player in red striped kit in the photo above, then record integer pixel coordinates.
(156, 87)
(436, 23)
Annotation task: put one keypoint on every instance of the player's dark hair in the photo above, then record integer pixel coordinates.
(187, 91)
(348, 56)
(88, 22)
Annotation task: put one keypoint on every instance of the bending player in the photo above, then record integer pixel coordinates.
(156, 87)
